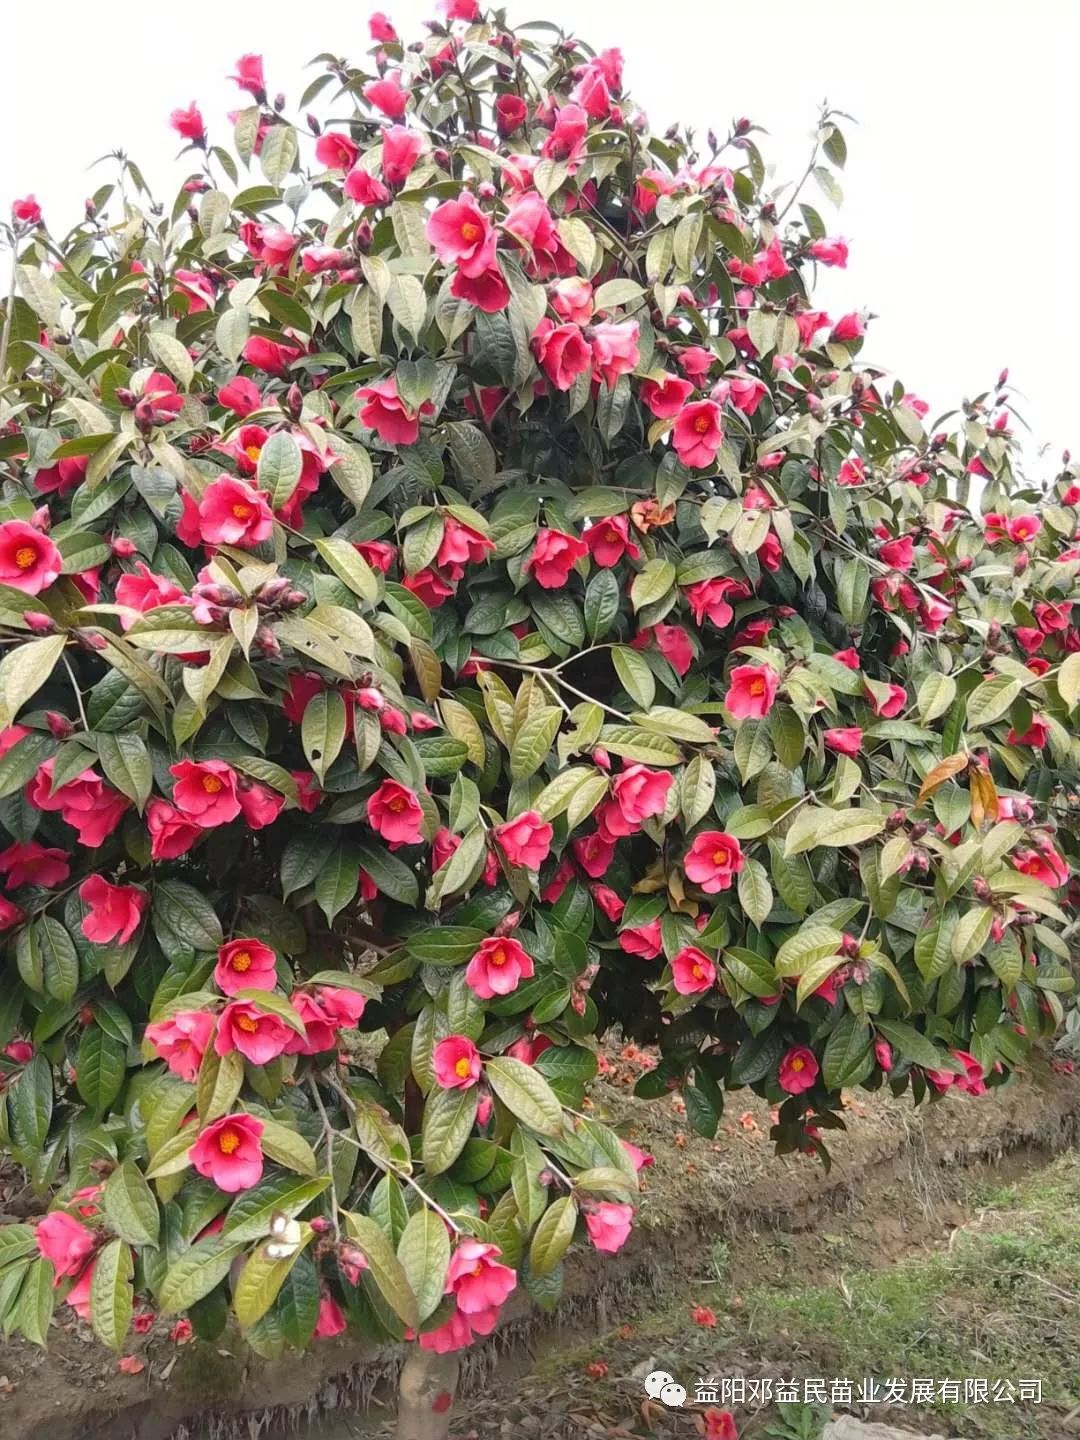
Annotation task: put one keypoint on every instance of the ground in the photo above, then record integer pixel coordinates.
(944, 1244)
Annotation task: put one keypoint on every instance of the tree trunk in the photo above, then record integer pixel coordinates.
(426, 1395)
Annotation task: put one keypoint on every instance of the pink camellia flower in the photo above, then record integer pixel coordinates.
(205, 791)
(798, 1070)
(892, 704)
(609, 540)
(852, 471)
(245, 965)
(387, 95)
(145, 591)
(343, 1006)
(614, 349)
(830, 252)
(462, 235)
(713, 598)
(640, 792)
(1044, 864)
(189, 124)
(498, 967)
(171, 834)
(229, 1152)
(567, 138)
(231, 512)
(386, 413)
(29, 561)
(643, 940)
(666, 395)
(553, 557)
(572, 298)
(488, 291)
(320, 1031)
(899, 553)
(429, 588)
(20, 1051)
(63, 477)
(511, 112)
(10, 914)
(1035, 736)
(752, 691)
(65, 1242)
(259, 805)
(78, 1297)
(461, 545)
(849, 327)
(713, 858)
(336, 151)
(401, 148)
(381, 30)
(115, 911)
(456, 1062)
(260, 1037)
(476, 1279)
(595, 852)
(698, 434)
(160, 401)
(640, 1159)
(249, 75)
(525, 840)
(610, 902)
(28, 863)
(562, 352)
(532, 224)
(379, 554)
(883, 1054)
(608, 1225)
(27, 210)
(971, 1082)
(846, 740)
(330, 1320)
(1022, 528)
(86, 803)
(747, 391)
(270, 355)
(181, 1040)
(395, 813)
(672, 641)
(692, 972)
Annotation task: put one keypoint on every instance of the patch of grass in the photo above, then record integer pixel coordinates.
(1003, 1302)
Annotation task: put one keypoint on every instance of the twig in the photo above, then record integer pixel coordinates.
(328, 1132)
(71, 677)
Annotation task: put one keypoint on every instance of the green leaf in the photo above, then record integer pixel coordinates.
(187, 914)
(602, 599)
(814, 826)
(525, 1093)
(306, 854)
(251, 1212)
(261, 1278)
(1068, 680)
(449, 1116)
(126, 763)
(24, 670)
(100, 1067)
(445, 944)
(755, 892)
(337, 882)
(533, 741)
(652, 583)
(991, 699)
(634, 675)
(58, 957)
(914, 1046)
(278, 152)
(350, 567)
(37, 1300)
(697, 789)
(173, 355)
(219, 1083)
(848, 1055)
(130, 1206)
(196, 1273)
(322, 731)
(111, 1298)
(971, 933)
(392, 876)
(288, 1147)
(936, 693)
(386, 1269)
(424, 1252)
(279, 468)
(553, 1235)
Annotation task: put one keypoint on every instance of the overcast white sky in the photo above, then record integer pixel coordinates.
(961, 201)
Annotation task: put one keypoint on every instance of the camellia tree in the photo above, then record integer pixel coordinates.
(457, 594)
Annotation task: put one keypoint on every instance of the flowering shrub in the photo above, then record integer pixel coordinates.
(459, 594)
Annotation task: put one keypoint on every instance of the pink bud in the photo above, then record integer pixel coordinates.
(38, 621)
(59, 725)
(123, 547)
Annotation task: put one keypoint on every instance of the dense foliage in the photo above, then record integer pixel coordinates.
(458, 593)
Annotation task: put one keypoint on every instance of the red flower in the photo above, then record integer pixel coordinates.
(386, 413)
(667, 396)
(249, 75)
(461, 545)
(456, 1062)
(553, 557)
(270, 355)
(232, 512)
(189, 124)
(525, 840)
(703, 1316)
(181, 1040)
(752, 691)
(205, 791)
(29, 561)
(713, 858)
(387, 95)
(692, 972)
(336, 151)
(401, 148)
(429, 588)
(640, 792)
(27, 210)
(713, 598)
(145, 591)
(28, 863)
(562, 352)
(115, 911)
(798, 1070)
(698, 434)
(609, 540)
(245, 965)
(462, 235)
(845, 741)
(511, 112)
(643, 940)
(260, 1037)
(497, 968)
(65, 1242)
(229, 1152)
(171, 834)
(395, 813)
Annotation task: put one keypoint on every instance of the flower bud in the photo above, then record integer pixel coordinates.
(123, 547)
(294, 401)
(918, 830)
(59, 725)
(39, 622)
